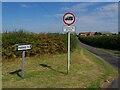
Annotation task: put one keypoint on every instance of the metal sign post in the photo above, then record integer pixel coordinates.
(69, 29)
(23, 48)
(23, 56)
(69, 19)
(68, 53)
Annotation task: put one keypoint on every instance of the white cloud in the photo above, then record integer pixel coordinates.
(110, 10)
(55, 15)
(112, 6)
(24, 5)
(84, 7)
(93, 23)
(65, 9)
(103, 18)
(48, 27)
(81, 7)
(58, 15)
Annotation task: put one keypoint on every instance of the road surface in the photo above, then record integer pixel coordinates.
(108, 57)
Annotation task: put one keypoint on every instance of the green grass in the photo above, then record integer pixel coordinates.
(87, 71)
(117, 52)
(109, 72)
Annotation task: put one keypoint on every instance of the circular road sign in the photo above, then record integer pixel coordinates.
(69, 18)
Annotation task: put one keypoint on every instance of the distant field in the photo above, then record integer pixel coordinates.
(87, 71)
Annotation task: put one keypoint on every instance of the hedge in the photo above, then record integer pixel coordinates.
(108, 42)
(50, 43)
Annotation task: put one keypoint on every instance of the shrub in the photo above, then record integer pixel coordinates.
(107, 42)
(50, 43)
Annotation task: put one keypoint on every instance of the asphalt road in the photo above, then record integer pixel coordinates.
(108, 57)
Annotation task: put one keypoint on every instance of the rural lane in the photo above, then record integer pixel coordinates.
(108, 57)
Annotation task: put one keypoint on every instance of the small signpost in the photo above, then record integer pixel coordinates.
(23, 48)
(69, 19)
(69, 28)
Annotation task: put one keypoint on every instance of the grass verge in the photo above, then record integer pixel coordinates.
(116, 52)
(50, 71)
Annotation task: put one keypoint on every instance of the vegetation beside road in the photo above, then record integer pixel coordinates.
(50, 71)
(116, 52)
(50, 43)
(46, 63)
(107, 42)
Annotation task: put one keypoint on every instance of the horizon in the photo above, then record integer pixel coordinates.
(17, 30)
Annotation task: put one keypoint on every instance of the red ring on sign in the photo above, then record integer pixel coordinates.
(71, 22)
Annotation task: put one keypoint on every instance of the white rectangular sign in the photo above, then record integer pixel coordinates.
(23, 47)
(69, 28)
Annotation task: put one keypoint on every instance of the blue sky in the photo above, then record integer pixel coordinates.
(47, 16)
(0, 16)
